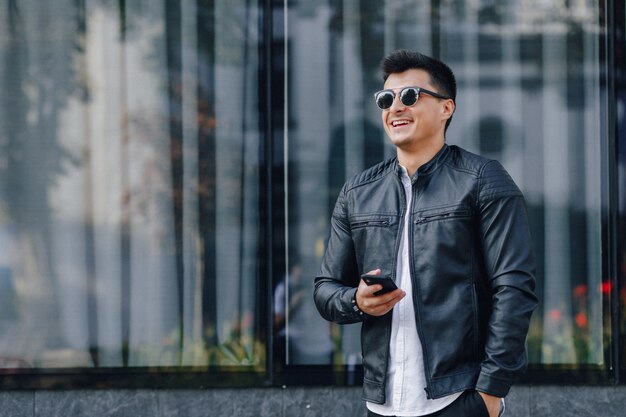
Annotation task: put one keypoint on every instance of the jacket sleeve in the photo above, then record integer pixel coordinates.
(510, 270)
(335, 286)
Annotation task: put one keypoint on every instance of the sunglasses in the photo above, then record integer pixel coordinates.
(408, 96)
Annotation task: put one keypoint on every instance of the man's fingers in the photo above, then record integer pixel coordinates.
(379, 305)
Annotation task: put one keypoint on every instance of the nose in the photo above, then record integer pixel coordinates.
(396, 104)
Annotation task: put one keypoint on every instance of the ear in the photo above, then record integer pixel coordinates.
(447, 110)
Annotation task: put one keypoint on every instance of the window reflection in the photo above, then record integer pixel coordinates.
(129, 184)
(530, 94)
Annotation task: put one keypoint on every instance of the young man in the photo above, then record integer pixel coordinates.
(450, 229)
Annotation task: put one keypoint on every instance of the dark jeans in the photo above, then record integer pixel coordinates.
(469, 404)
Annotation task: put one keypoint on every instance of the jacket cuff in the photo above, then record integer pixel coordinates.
(355, 306)
(355, 311)
(493, 386)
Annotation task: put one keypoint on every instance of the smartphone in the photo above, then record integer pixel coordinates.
(387, 283)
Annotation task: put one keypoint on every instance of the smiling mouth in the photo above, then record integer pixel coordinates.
(398, 123)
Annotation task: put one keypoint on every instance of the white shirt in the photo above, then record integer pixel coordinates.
(406, 380)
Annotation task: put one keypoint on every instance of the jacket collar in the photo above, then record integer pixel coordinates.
(429, 166)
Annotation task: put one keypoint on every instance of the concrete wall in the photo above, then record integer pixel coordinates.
(523, 401)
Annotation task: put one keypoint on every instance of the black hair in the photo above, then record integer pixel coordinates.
(441, 75)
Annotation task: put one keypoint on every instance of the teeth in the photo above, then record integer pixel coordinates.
(399, 122)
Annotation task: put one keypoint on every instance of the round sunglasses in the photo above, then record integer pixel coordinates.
(408, 96)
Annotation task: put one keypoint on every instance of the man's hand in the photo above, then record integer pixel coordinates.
(492, 403)
(376, 305)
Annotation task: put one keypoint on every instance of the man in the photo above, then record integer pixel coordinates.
(450, 228)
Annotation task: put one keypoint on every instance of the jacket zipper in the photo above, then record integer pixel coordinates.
(365, 223)
(448, 215)
(416, 303)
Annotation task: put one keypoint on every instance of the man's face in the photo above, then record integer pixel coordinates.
(422, 124)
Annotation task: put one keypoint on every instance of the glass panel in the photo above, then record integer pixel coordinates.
(128, 196)
(530, 93)
(620, 84)
(533, 87)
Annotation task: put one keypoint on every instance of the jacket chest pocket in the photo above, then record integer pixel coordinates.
(445, 239)
(369, 222)
(374, 239)
(443, 213)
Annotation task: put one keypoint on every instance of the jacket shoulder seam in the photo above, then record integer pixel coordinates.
(466, 170)
(502, 185)
(362, 179)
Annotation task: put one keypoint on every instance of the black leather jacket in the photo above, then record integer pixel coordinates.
(471, 268)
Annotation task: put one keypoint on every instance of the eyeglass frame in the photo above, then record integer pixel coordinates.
(419, 90)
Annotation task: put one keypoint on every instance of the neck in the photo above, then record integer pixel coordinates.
(412, 159)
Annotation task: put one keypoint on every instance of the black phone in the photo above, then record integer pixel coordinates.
(387, 283)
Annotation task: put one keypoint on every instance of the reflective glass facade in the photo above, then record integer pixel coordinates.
(532, 83)
(168, 170)
(129, 208)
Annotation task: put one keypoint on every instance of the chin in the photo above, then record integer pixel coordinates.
(402, 140)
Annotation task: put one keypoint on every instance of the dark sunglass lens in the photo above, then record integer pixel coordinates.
(384, 99)
(408, 96)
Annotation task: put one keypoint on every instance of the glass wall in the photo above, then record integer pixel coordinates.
(530, 94)
(168, 170)
(129, 184)
(620, 185)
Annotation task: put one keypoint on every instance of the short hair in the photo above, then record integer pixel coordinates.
(441, 75)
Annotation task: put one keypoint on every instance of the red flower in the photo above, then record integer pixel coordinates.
(605, 287)
(581, 320)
